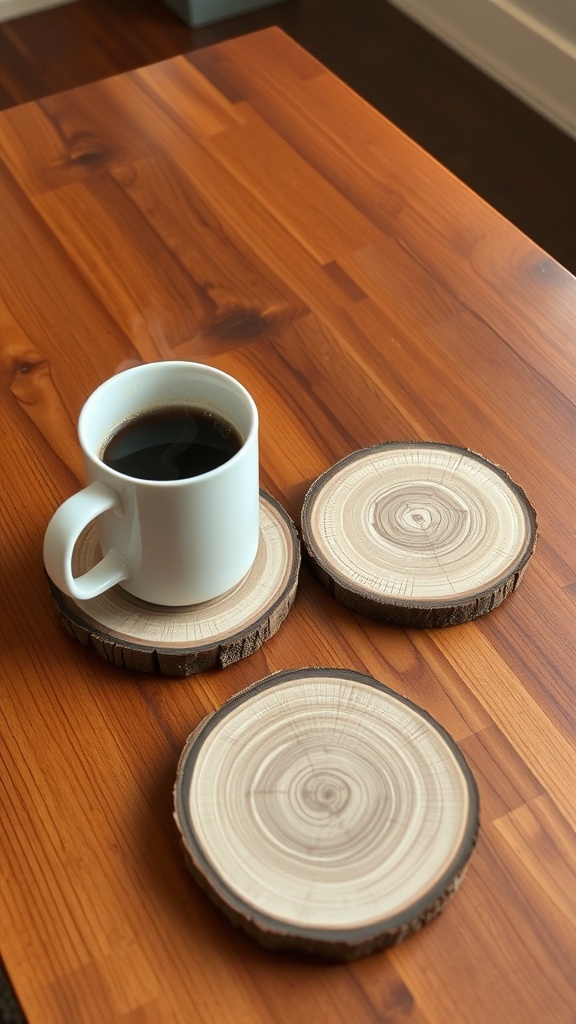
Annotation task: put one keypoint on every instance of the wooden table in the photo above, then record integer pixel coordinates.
(241, 206)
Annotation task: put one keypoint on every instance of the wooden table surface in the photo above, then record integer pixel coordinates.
(240, 206)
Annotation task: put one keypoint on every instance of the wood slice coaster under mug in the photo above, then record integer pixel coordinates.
(322, 811)
(183, 640)
(418, 533)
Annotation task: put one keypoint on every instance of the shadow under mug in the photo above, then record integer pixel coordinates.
(174, 542)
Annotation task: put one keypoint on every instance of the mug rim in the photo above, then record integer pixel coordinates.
(142, 369)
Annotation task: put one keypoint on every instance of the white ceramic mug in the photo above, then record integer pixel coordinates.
(173, 542)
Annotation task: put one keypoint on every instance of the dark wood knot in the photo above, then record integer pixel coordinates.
(87, 150)
(246, 324)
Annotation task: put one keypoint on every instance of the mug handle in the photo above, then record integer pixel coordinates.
(64, 530)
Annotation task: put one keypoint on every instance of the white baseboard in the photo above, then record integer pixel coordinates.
(17, 8)
(532, 59)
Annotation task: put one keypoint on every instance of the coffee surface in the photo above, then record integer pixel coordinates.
(173, 443)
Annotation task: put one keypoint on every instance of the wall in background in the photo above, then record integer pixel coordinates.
(527, 45)
(17, 8)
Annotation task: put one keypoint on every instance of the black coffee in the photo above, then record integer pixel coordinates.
(172, 444)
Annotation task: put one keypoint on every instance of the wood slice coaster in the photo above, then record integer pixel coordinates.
(180, 641)
(418, 533)
(322, 811)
